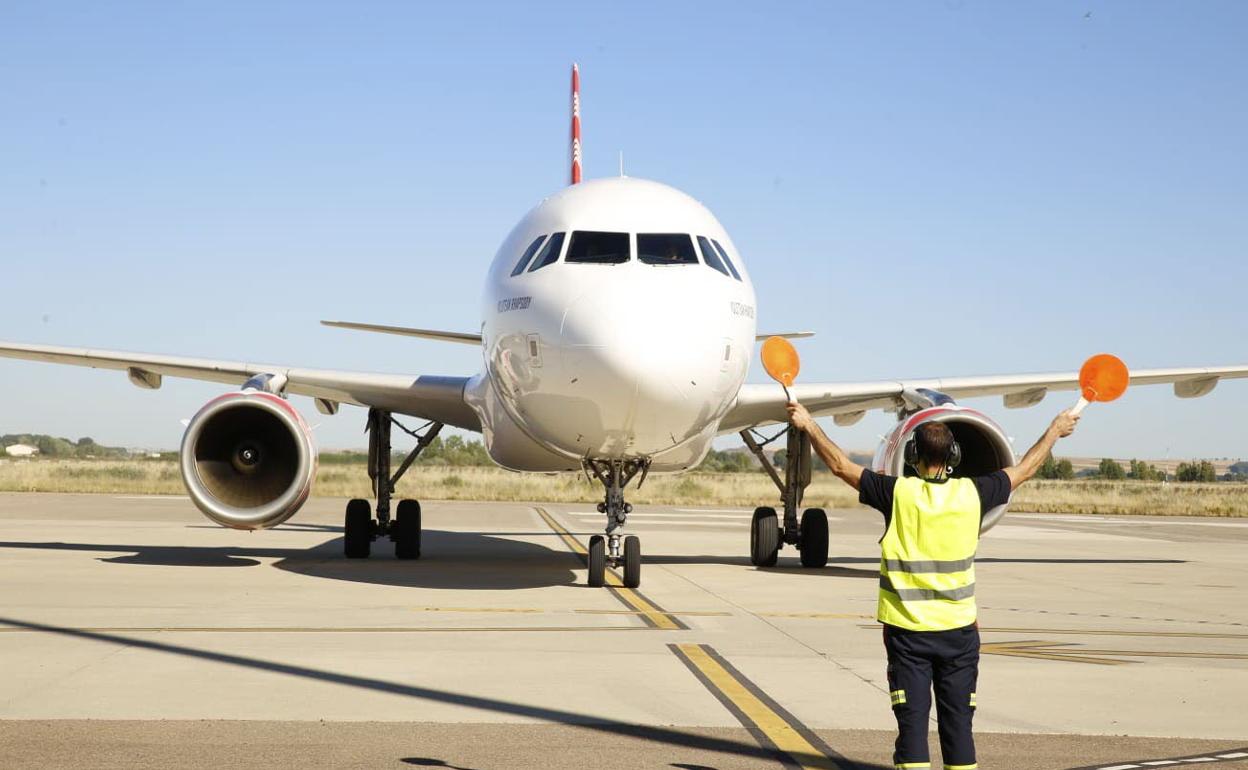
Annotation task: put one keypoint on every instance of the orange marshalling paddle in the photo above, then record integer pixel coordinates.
(1102, 378)
(781, 361)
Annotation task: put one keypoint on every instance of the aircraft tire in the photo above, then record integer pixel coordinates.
(597, 561)
(764, 538)
(632, 561)
(357, 539)
(407, 530)
(814, 538)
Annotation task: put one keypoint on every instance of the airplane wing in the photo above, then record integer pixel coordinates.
(786, 335)
(404, 331)
(424, 396)
(847, 402)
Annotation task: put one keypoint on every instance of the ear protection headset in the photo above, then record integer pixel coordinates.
(952, 460)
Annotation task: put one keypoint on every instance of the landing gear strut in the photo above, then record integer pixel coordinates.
(767, 534)
(615, 475)
(404, 529)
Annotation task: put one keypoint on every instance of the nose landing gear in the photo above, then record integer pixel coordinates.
(606, 551)
(767, 534)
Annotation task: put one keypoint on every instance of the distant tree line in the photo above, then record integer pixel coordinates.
(1196, 471)
(458, 451)
(1138, 470)
(52, 446)
(449, 450)
(1142, 471)
(719, 461)
(1056, 469)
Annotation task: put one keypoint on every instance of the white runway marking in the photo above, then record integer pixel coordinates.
(1129, 522)
(683, 523)
(1022, 532)
(716, 510)
(680, 516)
(1227, 757)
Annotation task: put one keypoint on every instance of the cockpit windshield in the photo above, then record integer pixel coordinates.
(549, 253)
(666, 249)
(599, 248)
(710, 256)
(727, 261)
(527, 255)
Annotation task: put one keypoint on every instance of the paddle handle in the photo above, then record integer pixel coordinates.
(1080, 406)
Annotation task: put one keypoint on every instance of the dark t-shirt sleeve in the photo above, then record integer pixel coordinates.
(876, 490)
(994, 490)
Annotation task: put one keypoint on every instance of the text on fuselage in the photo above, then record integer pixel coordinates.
(514, 303)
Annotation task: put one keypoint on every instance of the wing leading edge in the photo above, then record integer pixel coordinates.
(848, 402)
(429, 397)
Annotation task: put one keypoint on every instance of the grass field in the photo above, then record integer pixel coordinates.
(134, 477)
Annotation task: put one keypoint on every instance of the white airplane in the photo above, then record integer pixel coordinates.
(617, 329)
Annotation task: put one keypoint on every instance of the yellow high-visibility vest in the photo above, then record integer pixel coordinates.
(927, 556)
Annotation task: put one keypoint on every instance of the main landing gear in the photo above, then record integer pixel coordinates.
(404, 529)
(604, 551)
(767, 534)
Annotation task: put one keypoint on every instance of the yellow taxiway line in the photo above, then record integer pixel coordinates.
(756, 710)
(654, 615)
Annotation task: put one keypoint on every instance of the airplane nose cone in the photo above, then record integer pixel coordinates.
(649, 372)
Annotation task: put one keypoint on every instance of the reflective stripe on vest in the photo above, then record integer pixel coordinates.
(927, 556)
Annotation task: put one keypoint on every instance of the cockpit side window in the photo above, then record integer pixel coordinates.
(598, 248)
(527, 255)
(727, 261)
(666, 249)
(710, 256)
(549, 252)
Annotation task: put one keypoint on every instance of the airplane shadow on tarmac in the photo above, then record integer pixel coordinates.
(670, 736)
(453, 560)
(462, 560)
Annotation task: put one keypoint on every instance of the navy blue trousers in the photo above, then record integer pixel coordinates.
(918, 663)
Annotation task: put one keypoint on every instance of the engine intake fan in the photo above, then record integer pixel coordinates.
(985, 447)
(248, 460)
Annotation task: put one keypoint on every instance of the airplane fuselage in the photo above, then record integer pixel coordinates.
(607, 357)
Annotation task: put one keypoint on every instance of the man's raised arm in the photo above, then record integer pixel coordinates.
(832, 455)
(1061, 427)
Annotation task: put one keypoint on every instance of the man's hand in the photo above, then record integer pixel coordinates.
(799, 418)
(1064, 424)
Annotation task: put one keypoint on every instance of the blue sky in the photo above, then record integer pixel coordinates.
(936, 189)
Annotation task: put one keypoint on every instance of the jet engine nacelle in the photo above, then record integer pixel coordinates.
(985, 447)
(248, 460)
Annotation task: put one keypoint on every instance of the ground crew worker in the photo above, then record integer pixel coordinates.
(927, 577)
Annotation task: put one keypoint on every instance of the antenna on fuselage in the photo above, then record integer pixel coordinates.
(621, 164)
(576, 124)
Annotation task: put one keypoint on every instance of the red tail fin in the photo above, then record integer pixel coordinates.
(576, 124)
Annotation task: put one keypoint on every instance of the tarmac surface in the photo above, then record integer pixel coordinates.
(135, 633)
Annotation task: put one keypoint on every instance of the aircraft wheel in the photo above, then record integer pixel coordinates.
(407, 530)
(764, 538)
(597, 561)
(814, 538)
(358, 530)
(632, 561)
